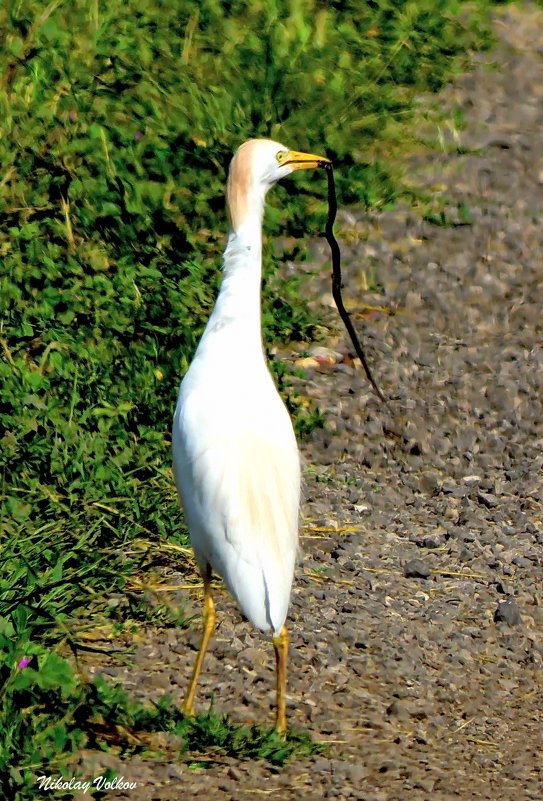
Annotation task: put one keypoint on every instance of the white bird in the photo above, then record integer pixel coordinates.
(235, 457)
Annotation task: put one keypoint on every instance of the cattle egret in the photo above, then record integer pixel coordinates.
(236, 462)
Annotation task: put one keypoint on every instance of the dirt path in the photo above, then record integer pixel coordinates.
(420, 692)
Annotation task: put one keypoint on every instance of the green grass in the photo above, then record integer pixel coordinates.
(117, 123)
(61, 715)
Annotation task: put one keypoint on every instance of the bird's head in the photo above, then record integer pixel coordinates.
(256, 166)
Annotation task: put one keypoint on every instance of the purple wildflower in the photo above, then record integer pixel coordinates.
(138, 135)
(24, 662)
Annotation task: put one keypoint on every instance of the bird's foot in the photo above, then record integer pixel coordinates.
(187, 710)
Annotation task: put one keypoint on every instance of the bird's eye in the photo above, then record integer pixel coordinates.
(281, 156)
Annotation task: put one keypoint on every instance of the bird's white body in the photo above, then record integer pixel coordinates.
(236, 461)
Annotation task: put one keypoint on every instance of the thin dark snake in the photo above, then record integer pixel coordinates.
(336, 280)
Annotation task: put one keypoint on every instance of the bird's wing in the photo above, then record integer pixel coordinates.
(241, 496)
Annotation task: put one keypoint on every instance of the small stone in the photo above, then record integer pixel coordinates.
(356, 774)
(321, 765)
(234, 773)
(473, 479)
(488, 500)
(521, 561)
(415, 568)
(430, 481)
(507, 612)
(396, 709)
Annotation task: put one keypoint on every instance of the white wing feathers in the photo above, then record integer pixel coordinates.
(241, 497)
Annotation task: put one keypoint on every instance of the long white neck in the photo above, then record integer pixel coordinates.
(238, 303)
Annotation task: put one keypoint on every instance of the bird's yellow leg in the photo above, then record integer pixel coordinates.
(209, 625)
(280, 646)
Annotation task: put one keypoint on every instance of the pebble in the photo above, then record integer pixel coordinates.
(521, 561)
(465, 555)
(356, 774)
(472, 479)
(488, 500)
(235, 773)
(508, 612)
(431, 542)
(398, 710)
(415, 568)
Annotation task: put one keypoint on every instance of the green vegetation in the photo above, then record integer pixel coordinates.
(117, 122)
(62, 715)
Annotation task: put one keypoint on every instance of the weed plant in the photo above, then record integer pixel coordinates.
(117, 122)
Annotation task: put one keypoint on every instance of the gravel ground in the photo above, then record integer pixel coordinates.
(416, 622)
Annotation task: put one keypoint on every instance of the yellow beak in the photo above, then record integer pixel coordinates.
(304, 161)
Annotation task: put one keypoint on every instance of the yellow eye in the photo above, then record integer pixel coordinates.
(281, 156)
